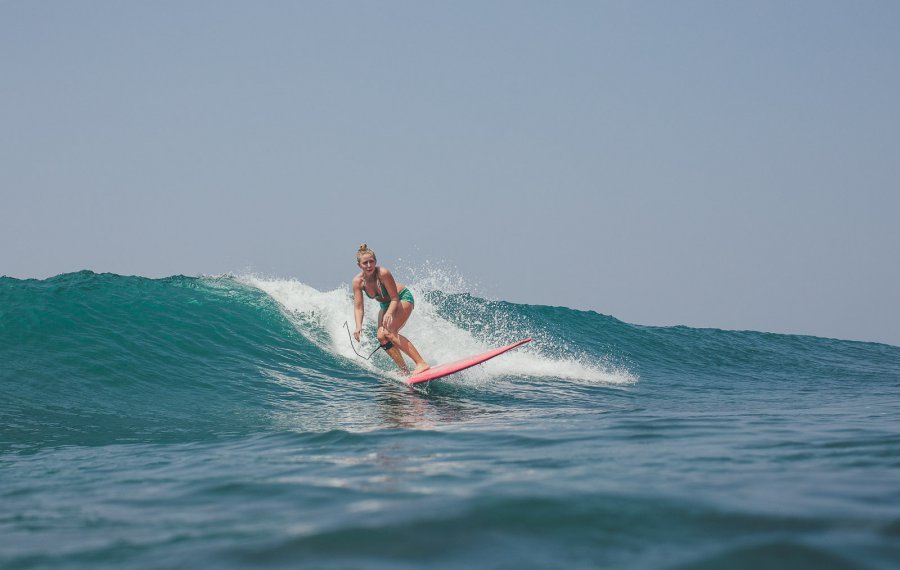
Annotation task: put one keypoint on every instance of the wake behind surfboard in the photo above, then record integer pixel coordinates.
(446, 369)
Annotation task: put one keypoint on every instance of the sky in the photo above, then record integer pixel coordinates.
(704, 163)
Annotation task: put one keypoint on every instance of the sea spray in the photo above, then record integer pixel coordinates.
(444, 327)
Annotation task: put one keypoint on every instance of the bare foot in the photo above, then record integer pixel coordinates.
(421, 368)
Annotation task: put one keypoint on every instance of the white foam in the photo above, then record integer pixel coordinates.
(320, 316)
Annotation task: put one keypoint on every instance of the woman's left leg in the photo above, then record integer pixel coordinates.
(401, 315)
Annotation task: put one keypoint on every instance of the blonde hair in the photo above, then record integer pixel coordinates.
(363, 250)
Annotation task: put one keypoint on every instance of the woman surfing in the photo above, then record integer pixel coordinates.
(397, 304)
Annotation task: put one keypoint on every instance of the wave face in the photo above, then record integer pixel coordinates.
(228, 421)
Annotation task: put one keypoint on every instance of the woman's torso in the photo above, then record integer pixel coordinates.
(381, 293)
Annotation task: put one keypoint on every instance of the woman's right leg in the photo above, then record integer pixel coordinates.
(384, 337)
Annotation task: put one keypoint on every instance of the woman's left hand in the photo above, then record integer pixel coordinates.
(387, 320)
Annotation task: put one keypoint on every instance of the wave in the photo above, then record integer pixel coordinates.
(444, 327)
(98, 358)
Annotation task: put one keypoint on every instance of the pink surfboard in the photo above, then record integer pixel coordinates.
(447, 369)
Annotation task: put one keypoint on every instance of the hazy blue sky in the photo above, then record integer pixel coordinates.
(718, 164)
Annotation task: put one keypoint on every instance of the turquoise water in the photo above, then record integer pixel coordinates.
(226, 423)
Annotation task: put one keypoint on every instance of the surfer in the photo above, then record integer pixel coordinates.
(396, 306)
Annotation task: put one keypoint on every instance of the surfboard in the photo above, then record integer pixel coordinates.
(446, 369)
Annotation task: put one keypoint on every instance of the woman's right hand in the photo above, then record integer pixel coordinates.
(356, 334)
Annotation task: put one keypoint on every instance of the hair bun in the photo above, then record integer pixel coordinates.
(363, 250)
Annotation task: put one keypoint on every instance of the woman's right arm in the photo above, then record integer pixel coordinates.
(358, 308)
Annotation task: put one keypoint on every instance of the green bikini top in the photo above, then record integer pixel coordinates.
(384, 293)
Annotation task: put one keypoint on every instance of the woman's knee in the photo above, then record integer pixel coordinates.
(385, 336)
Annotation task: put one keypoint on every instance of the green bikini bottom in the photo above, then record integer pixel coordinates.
(406, 295)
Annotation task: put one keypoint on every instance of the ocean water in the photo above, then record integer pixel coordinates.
(225, 422)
